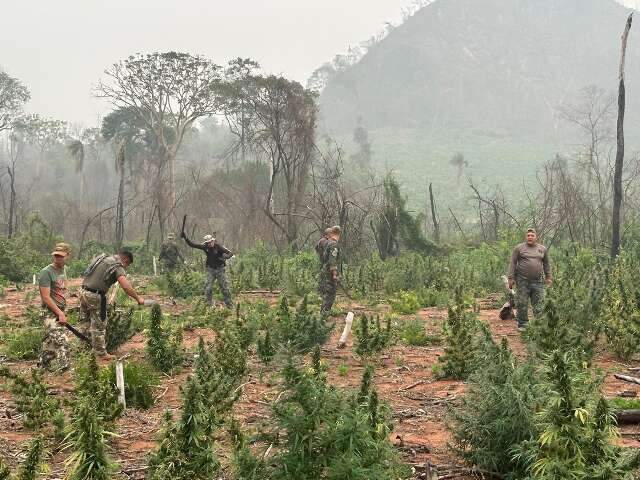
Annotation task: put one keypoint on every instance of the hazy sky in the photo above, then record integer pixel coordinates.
(59, 48)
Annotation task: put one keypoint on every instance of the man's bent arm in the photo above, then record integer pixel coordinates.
(126, 286)
(193, 245)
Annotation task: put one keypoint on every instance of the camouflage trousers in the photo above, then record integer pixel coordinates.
(55, 346)
(90, 317)
(219, 275)
(327, 288)
(528, 290)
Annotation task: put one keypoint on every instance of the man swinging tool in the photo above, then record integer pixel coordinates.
(103, 271)
(217, 257)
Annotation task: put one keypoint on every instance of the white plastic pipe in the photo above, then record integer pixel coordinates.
(120, 383)
(347, 329)
(155, 267)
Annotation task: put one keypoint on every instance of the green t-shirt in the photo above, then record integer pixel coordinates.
(55, 279)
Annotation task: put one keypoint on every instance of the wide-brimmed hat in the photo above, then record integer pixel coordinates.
(61, 250)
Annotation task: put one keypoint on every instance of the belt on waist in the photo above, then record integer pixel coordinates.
(93, 290)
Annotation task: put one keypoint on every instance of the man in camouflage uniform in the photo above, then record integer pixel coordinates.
(217, 256)
(55, 348)
(103, 271)
(530, 270)
(327, 249)
(170, 255)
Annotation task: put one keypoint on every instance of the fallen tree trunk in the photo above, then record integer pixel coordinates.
(628, 416)
(627, 378)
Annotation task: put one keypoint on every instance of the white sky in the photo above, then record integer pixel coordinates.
(59, 48)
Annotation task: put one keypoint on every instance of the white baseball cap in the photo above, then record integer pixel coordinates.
(208, 238)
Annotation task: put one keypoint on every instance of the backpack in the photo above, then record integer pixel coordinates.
(92, 266)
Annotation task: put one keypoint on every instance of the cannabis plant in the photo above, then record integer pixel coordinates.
(164, 348)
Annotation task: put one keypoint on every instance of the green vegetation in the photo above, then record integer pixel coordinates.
(164, 347)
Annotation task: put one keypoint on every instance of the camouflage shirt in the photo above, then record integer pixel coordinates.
(328, 252)
(170, 253)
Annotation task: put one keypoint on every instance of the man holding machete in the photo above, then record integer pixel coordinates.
(52, 282)
(217, 257)
(103, 271)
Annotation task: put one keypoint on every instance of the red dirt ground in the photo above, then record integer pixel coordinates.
(403, 378)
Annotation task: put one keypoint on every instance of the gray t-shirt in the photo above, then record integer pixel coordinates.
(530, 262)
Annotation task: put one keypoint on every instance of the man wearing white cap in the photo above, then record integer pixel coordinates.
(217, 257)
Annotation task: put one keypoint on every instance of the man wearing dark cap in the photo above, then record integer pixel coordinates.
(52, 282)
(529, 269)
(327, 250)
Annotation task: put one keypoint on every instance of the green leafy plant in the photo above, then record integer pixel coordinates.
(346, 434)
(405, 303)
(371, 337)
(32, 466)
(140, 379)
(265, 348)
(23, 344)
(164, 348)
(301, 330)
(94, 383)
(89, 458)
(186, 449)
(31, 398)
(414, 333)
(575, 428)
(460, 332)
(496, 413)
(119, 328)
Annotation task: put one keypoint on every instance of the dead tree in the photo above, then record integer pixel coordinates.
(617, 178)
(120, 159)
(434, 218)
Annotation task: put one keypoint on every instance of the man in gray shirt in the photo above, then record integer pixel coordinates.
(529, 269)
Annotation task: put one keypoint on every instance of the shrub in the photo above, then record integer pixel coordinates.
(164, 348)
(496, 413)
(461, 334)
(301, 330)
(119, 328)
(139, 381)
(575, 429)
(371, 338)
(346, 434)
(89, 459)
(185, 449)
(405, 303)
(32, 466)
(621, 309)
(265, 349)
(94, 383)
(31, 398)
(414, 333)
(23, 344)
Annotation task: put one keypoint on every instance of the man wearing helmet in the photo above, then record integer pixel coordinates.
(217, 257)
(170, 255)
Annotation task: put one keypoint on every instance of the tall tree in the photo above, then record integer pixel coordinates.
(13, 95)
(617, 176)
(120, 161)
(168, 92)
(282, 129)
(43, 133)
